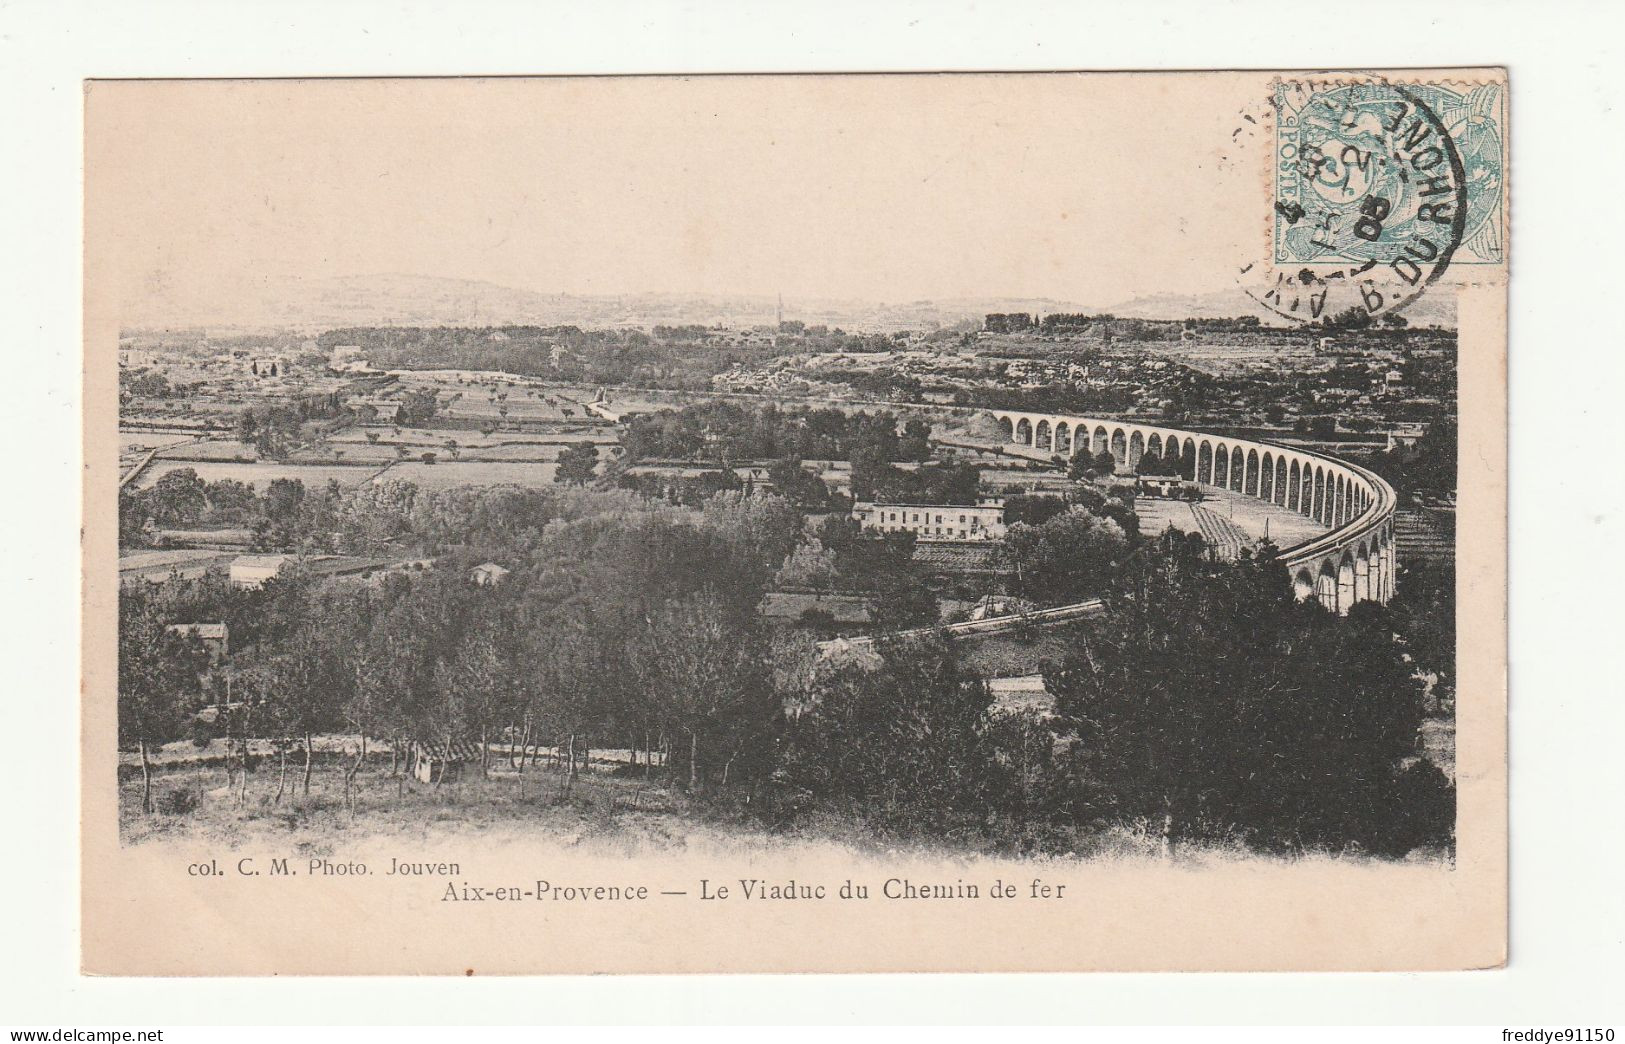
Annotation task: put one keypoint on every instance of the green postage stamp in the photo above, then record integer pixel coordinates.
(1404, 175)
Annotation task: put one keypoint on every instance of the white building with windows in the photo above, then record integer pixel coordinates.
(984, 521)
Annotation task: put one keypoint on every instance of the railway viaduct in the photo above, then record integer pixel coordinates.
(1352, 562)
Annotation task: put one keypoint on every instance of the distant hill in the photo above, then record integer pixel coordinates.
(1431, 308)
(415, 300)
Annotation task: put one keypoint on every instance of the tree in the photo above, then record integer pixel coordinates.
(760, 526)
(418, 407)
(1087, 466)
(577, 464)
(1424, 614)
(809, 565)
(1351, 318)
(902, 601)
(1032, 509)
(179, 497)
(904, 744)
(160, 682)
(798, 485)
(713, 688)
(1209, 703)
(916, 441)
(1069, 557)
(134, 515)
(309, 684)
(283, 498)
(230, 500)
(470, 688)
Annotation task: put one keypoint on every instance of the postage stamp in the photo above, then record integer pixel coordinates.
(1379, 187)
(1374, 171)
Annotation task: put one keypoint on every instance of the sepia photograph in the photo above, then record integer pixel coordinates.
(884, 509)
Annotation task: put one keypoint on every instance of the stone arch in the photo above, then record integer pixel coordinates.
(1279, 482)
(1319, 495)
(1303, 585)
(1136, 448)
(1119, 446)
(1326, 585)
(1238, 469)
(1221, 466)
(1024, 432)
(1345, 582)
(1063, 438)
(1102, 442)
(1008, 426)
(1187, 459)
(1250, 477)
(1153, 446)
(1042, 436)
(1294, 487)
(1362, 575)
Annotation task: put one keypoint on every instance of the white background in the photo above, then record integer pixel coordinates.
(1568, 865)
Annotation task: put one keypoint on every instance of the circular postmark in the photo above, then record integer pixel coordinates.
(1369, 202)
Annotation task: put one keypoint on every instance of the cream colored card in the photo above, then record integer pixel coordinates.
(522, 678)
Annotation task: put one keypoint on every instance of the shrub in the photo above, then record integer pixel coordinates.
(202, 732)
(180, 801)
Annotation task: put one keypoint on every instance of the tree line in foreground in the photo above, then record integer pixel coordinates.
(1206, 706)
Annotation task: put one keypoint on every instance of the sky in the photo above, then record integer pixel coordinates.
(1080, 187)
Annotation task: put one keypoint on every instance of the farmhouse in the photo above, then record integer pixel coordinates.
(214, 637)
(436, 762)
(983, 521)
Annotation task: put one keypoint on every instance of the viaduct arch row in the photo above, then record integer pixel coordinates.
(1353, 562)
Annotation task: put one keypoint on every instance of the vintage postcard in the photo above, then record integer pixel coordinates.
(859, 523)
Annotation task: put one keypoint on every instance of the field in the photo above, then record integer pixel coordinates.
(435, 438)
(142, 441)
(384, 805)
(602, 815)
(259, 474)
(211, 449)
(358, 451)
(452, 473)
(1286, 528)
